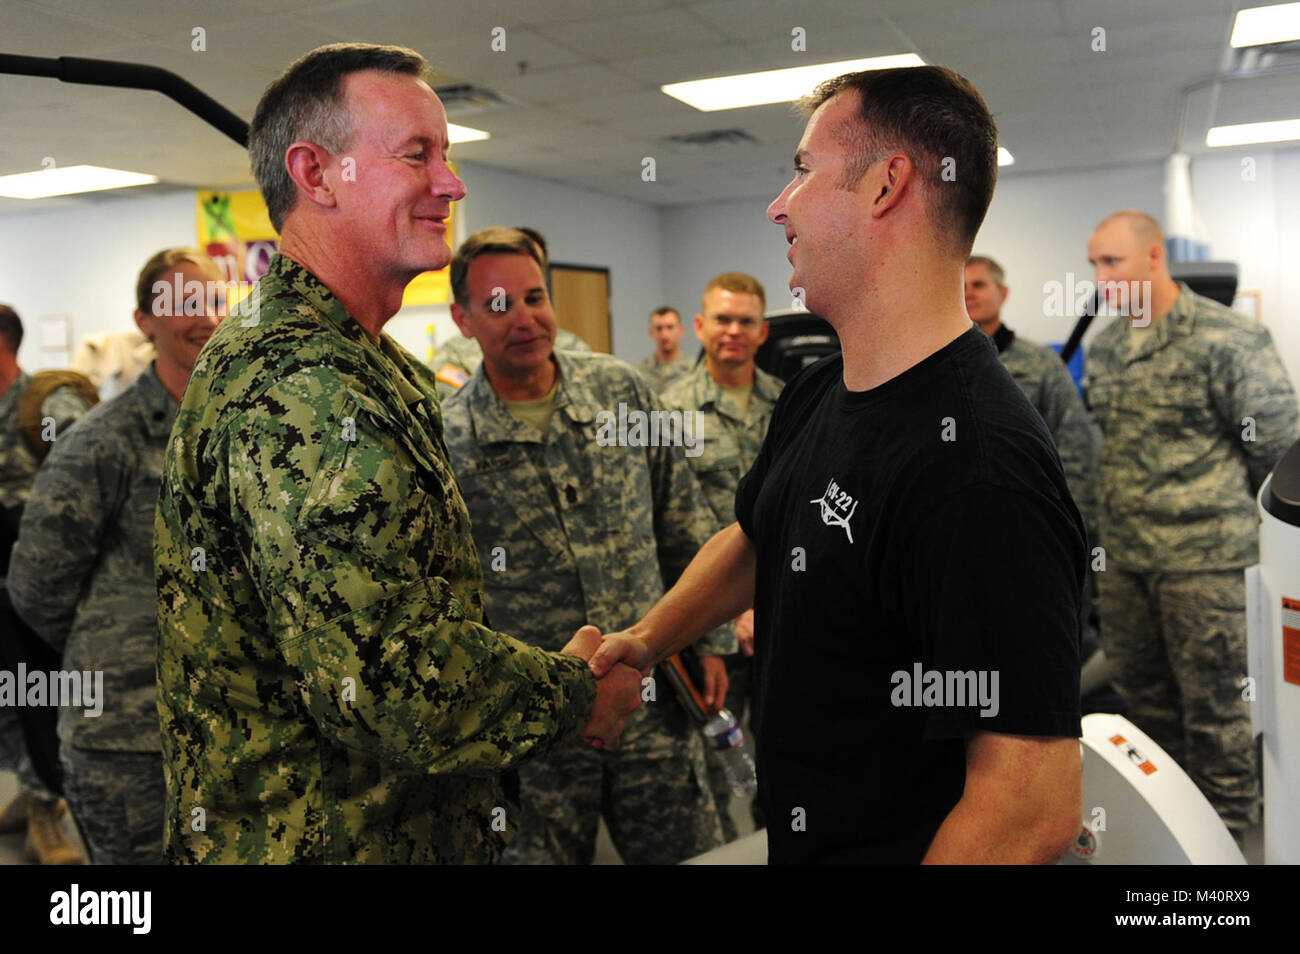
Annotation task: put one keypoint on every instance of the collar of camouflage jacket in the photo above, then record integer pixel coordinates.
(1179, 322)
(707, 394)
(9, 400)
(492, 420)
(157, 408)
(388, 377)
(382, 356)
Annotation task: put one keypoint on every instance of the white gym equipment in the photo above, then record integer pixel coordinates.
(1273, 640)
(1139, 807)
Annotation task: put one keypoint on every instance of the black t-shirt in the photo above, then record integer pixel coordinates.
(921, 530)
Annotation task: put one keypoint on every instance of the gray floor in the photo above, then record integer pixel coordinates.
(11, 846)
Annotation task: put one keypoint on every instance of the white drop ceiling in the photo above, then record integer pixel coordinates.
(584, 76)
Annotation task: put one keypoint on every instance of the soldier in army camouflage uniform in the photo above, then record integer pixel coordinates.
(735, 399)
(570, 531)
(1195, 409)
(669, 362)
(83, 576)
(1046, 381)
(36, 809)
(459, 357)
(327, 687)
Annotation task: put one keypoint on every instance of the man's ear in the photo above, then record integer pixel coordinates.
(699, 327)
(459, 316)
(886, 187)
(1006, 293)
(764, 326)
(306, 164)
(1156, 255)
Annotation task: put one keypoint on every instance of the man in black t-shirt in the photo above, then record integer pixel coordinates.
(906, 535)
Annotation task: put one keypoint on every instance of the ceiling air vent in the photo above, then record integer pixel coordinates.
(712, 138)
(1258, 59)
(464, 98)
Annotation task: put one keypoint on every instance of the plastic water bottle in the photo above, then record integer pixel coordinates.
(723, 735)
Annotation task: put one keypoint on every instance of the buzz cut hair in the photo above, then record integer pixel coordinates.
(939, 120)
(666, 310)
(737, 282)
(306, 103)
(999, 276)
(495, 240)
(1143, 226)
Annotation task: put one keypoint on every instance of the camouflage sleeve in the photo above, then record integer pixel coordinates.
(71, 503)
(386, 658)
(1078, 440)
(1253, 396)
(570, 342)
(683, 521)
(64, 405)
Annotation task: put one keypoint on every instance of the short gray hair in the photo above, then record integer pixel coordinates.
(306, 103)
(999, 276)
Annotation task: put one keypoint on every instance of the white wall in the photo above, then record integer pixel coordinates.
(82, 262)
(1037, 229)
(1257, 224)
(707, 240)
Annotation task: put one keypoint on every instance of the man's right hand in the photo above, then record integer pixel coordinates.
(618, 692)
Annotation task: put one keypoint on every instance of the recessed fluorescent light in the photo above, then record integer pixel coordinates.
(1004, 156)
(67, 180)
(457, 133)
(1260, 25)
(1245, 133)
(774, 86)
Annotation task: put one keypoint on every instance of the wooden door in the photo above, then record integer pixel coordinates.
(580, 294)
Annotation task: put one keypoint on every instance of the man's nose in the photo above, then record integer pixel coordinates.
(776, 211)
(449, 185)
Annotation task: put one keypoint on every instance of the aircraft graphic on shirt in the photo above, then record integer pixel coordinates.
(837, 507)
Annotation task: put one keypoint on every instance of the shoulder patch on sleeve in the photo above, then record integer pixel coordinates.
(450, 374)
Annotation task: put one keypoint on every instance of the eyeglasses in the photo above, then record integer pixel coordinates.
(747, 325)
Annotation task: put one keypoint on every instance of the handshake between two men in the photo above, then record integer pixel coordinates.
(618, 687)
(717, 587)
(621, 662)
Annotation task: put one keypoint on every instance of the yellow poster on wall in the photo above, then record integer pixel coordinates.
(235, 230)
